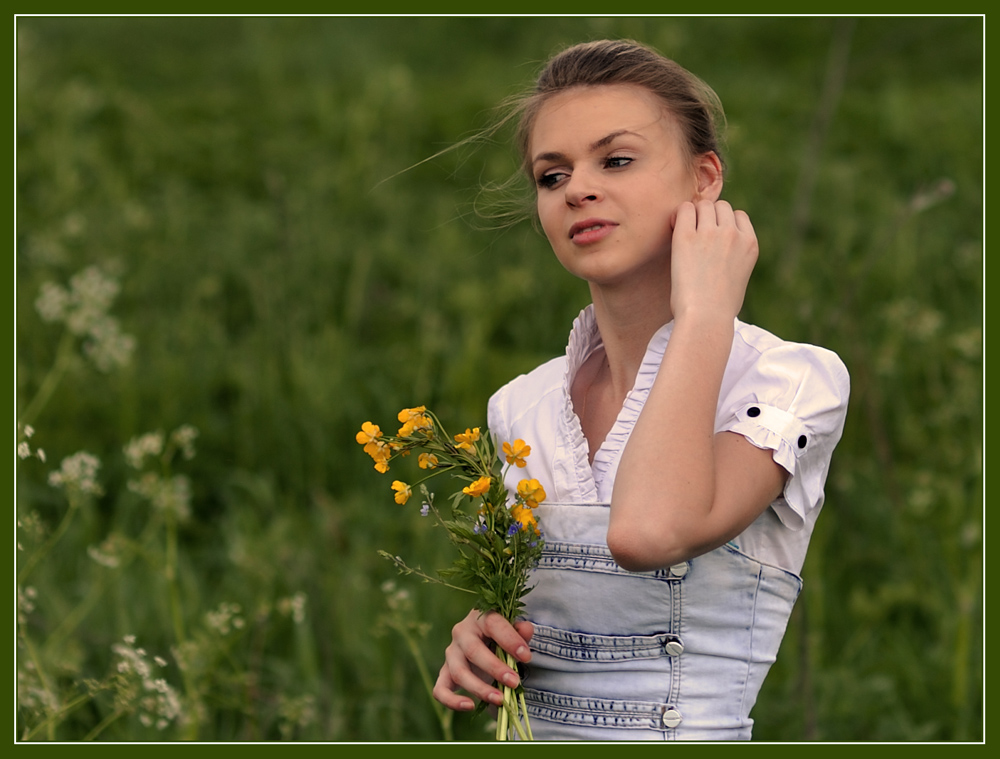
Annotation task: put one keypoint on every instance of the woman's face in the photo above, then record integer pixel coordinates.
(611, 168)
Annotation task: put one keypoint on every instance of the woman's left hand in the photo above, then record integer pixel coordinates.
(713, 252)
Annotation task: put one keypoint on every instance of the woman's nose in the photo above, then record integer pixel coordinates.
(582, 188)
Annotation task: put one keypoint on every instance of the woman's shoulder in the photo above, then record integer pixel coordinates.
(757, 349)
(532, 386)
(526, 392)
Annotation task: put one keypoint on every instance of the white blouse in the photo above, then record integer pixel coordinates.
(790, 398)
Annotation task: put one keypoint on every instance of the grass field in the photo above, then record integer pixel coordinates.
(213, 234)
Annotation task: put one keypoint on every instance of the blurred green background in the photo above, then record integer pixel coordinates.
(283, 282)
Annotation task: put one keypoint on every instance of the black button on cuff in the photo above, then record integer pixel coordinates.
(753, 411)
(802, 441)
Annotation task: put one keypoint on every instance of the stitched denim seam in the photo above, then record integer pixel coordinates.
(626, 715)
(593, 558)
(753, 627)
(592, 647)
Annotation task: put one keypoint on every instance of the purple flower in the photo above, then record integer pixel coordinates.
(514, 529)
(424, 508)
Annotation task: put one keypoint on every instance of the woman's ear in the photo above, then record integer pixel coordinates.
(708, 175)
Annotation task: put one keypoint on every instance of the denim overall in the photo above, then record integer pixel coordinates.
(674, 654)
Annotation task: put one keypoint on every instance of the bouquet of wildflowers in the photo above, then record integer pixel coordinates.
(498, 540)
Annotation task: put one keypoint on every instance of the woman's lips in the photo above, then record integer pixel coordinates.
(591, 230)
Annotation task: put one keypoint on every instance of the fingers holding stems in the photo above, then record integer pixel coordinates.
(472, 664)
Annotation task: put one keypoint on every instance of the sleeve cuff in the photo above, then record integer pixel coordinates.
(777, 430)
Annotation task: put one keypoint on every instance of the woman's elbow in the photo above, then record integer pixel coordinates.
(643, 551)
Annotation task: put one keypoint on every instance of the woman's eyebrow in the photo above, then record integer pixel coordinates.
(607, 140)
(596, 145)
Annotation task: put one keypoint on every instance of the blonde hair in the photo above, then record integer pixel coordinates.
(687, 98)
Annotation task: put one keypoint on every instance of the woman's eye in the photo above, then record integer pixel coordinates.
(550, 179)
(617, 162)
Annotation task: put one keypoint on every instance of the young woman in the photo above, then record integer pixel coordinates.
(684, 453)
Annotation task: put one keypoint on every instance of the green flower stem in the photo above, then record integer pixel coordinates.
(437, 470)
(177, 618)
(41, 553)
(512, 718)
(170, 570)
(50, 722)
(524, 711)
(502, 722)
(405, 569)
(55, 718)
(117, 713)
(514, 709)
(444, 715)
(70, 621)
(64, 354)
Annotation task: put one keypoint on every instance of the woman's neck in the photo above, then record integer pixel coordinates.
(627, 320)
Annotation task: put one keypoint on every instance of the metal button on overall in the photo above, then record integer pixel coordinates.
(670, 717)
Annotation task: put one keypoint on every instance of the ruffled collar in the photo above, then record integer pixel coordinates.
(598, 480)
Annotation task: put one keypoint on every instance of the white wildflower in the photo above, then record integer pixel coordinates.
(32, 525)
(104, 559)
(109, 553)
(931, 196)
(25, 603)
(131, 660)
(84, 310)
(183, 437)
(969, 343)
(294, 606)
(225, 619)
(295, 713)
(74, 224)
(52, 302)
(170, 494)
(24, 448)
(108, 347)
(91, 295)
(136, 450)
(153, 698)
(77, 473)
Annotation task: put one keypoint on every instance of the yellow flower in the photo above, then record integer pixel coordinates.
(427, 461)
(526, 517)
(417, 424)
(479, 487)
(380, 452)
(409, 413)
(467, 438)
(413, 420)
(531, 492)
(369, 433)
(403, 492)
(517, 453)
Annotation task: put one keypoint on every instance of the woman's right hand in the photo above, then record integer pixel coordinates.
(471, 665)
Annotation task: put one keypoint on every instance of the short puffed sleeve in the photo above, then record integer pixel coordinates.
(790, 398)
(496, 418)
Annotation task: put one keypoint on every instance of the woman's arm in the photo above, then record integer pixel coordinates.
(681, 489)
